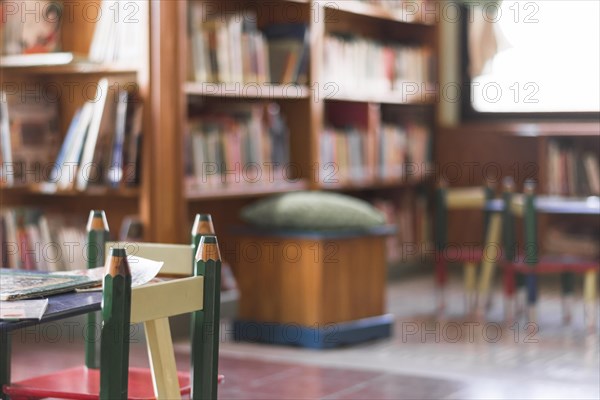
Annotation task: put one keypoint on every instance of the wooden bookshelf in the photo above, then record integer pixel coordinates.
(69, 80)
(303, 106)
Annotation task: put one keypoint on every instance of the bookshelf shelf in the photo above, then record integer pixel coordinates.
(69, 69)
(533, 129)
(243, 191)
(377, 184)
(34, 190)
(374, 11)
(419, 98)
(247, 90)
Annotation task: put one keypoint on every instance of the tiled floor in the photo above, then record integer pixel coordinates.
(455, 358)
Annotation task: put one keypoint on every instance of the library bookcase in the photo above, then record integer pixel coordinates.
(164, 200)
(70, 85)
(491, 150)
(309, 108)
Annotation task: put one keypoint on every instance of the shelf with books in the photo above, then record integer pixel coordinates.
(195, 192)
(572, 167)
(236, 55)
(247, 90)
(72, 116)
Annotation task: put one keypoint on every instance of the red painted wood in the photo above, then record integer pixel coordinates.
(553, 265)
(84, 384)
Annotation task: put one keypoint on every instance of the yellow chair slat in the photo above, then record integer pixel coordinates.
(164, 299)
(177, 258)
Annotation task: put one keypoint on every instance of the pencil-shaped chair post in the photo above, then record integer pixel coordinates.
(441, 234)
(205, 330)
(203, 225)
(491, 229)
(97, 236)
(590, 309)
(531, 250)
(116, 310)
(509, 246)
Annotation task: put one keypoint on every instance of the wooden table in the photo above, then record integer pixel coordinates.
(60, 306)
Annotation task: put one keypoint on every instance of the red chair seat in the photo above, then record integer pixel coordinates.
(554, 264)
(83, 383)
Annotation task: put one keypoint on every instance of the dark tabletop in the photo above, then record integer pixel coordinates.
(61, 306)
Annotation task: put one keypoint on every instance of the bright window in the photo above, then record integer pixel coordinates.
(546, 58)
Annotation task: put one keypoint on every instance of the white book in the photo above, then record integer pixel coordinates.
(23, 309)
(87, 155)
(5, 145)
(37, 59)
(73, 153)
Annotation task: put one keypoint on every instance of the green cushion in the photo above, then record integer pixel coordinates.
(313, 211)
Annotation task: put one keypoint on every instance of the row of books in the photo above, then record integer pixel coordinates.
(101, 147)
(572, 170)
(359, 156)
(119, 34)
(237, 145)
(234, 50)
(572, 238)
(32, 240)
(29, 137)
(366, 66)
(413, 226)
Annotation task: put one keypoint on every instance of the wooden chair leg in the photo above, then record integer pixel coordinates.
(589, 298)
(162, 359)
(441, 277)
(567, 302)
(531, 280)
(509, 294)
(470, 279)
(520, 295)
(567, 283)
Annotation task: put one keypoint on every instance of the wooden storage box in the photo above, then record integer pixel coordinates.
(312, 285)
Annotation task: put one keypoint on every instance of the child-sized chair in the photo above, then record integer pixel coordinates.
(531, 264)
(465, 198)
(151, 304)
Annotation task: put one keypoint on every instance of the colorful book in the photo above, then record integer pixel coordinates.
(18, 285)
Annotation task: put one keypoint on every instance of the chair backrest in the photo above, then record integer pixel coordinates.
(521, 205)
(178, 258)
(459, 198)
(197, 293)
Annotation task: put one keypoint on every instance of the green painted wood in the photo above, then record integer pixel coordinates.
(205, 328)
(116, 310)
(567, 283)
(531, 251)
(441, 227)
(509, 232)
(487, 214)
(96, 239)
(5, 350)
